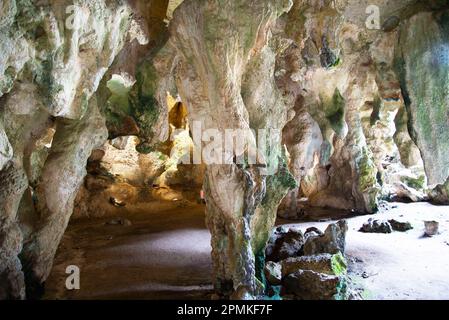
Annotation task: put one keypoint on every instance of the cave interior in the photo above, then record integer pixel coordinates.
(214, 149)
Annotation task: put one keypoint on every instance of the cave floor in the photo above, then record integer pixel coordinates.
(400, 265)
(165, 254)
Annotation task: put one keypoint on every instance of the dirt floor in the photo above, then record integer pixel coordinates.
(400, 265)
(165, 254)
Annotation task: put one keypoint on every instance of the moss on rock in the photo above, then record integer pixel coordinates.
(423, 50)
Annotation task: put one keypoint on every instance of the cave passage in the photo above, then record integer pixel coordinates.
(244, 150)
(158, 250)
(164, 253)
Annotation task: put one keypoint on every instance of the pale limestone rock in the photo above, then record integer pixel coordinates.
(345, 97)
(363, 130)
(23, 131)
(6, 151)
(273, 273)
(237, 94)
(61, 178)
(14, 184)
(323, 263)
(423, 50)
(172, 5)
(284, 243)
(311, 285)
(332, 241)
(48, 69)
(404, 183)
(440, 194)
(128, 165)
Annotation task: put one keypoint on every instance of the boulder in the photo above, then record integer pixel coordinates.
(376, 226)
(400, 226)
(311, 285)
(332, 241)
(323, 263)
(431, 228)
(273, 273)
(440, 194)
(284, 243)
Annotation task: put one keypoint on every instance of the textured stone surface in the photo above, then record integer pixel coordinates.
(332, 241)
(376, 226)
(321, 158)
(241, 203)
(311, 285)
(6, 151)
(440, 195)
(321, 263)
(431, 228)
(400, 226)
(365, 127)
(407, 184)
(423, 50)
(61, 178)
(284, 243)
(362, 114)
(273, 273)
(13, 185)
(49, 73)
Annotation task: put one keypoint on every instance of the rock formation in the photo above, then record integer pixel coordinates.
(353, 113)
(315, 270)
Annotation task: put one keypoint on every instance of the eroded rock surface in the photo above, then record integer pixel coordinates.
(361, 115)
(317, 271)
(427, 57)
(356, 86)
(52, 63)
(322, 263)
(239, 94)
(440, 195)
(400, 226)
(273, 273)
(284, 243)
(376, 226)
(311, 285)
(332, 241)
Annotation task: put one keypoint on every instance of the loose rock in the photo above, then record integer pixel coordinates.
(400, 226)
(376, 226)
(431, 228)
(323, 263)
(332, 241)
(284, 243)
(311, 285)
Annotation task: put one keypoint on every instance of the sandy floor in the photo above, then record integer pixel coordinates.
(162, 255)
(400, 265)
(166, 255)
